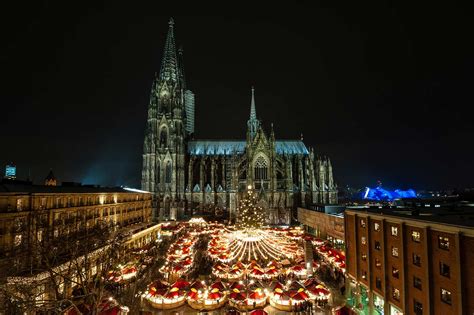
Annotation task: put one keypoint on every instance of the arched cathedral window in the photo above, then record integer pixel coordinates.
(157, 173)
(168, 172)
(163, 138)
(261, 168)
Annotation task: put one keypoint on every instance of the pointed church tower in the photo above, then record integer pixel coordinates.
(165, 135)
(253, 123)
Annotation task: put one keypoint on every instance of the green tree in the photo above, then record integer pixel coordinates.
(250, 215)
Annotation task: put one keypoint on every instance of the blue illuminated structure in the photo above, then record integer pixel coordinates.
(381, 194)
(10, 171)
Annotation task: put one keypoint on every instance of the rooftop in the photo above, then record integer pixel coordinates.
(24, 187)
(462, 216)
(229, 147)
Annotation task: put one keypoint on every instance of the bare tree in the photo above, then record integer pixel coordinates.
(67, 272)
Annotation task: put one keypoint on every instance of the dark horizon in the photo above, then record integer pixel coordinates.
(383, 91)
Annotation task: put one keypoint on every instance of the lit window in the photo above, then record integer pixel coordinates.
(364, 257)
(362, 223)
(39, 236)
(19, 204)
(378, 264)
(17, 240)
(396, 294)
(443, 242)
(417, 283)
(446, 296)
(376, 226)
(417, 308)
(377, 245)
(395, 251)
(364, 275)
(444, 269)
(378, 301)
(416, 260)
(395, 272)
(394, 231)
(416, 236)
(363, 240)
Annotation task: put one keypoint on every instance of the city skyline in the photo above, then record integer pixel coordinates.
(83, 110)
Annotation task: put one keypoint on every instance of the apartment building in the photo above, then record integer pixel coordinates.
(402, 261)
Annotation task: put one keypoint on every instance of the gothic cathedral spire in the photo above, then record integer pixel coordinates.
(166, 132)
(169, 63)
(253, 111)
(253, 123)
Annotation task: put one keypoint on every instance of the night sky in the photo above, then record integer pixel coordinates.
(386, 92)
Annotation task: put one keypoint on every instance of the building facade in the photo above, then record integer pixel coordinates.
(46, 230)
(401, 262)
(324, 225)
(185, 174)
(30, 214)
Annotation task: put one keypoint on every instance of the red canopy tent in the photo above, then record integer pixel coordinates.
(197, 285)
(237, 296)
(173, 293)
(180, 284)
(274, 284)
(319, 291)
(257, 272)
(299, 296)
(111, 311)
(310, 282)
(178, 267)
(256, 295)
(218, 285)
(193, 294)
(158, 288)
(236, 285)
(215, 295)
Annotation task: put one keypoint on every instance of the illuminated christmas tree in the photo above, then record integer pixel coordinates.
(250, 215)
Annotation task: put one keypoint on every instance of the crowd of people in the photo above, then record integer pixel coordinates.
(303, 307)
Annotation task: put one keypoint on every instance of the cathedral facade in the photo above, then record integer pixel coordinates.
(187, 175)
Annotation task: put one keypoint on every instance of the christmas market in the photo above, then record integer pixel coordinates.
(252, 265)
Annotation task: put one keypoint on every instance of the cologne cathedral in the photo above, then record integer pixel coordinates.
(188, 175)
